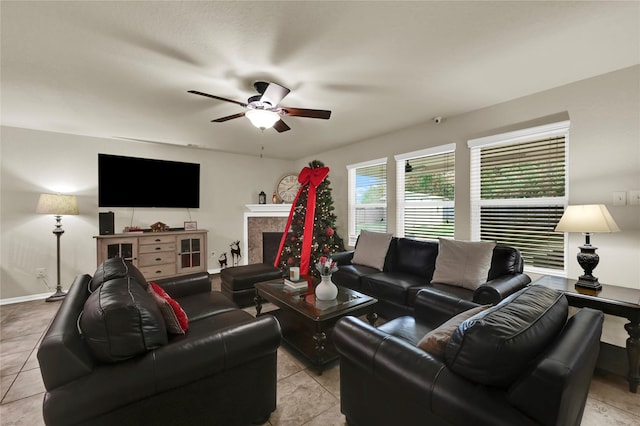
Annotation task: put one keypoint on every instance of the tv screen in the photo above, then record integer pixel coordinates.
(143, 182)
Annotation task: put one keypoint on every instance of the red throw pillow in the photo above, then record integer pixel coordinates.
(177, 309)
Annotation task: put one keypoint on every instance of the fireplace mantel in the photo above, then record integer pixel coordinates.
(268, 208)
(265, 211)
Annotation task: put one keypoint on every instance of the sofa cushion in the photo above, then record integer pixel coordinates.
(416, 257)
(121, 320)
(463, 263)
(390, 286)
(371, 249)
(495, 346)
(174, 316)
(436, 340)
(116, 267)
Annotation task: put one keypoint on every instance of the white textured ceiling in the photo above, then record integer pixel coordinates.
(122, 69)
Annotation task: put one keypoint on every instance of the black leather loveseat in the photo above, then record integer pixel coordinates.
(409, 266)
(108, 359)
(518, 363)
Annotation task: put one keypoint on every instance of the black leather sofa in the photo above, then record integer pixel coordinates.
(221, 372)
(409, 266)
(518, 363)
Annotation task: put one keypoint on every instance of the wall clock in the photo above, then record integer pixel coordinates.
(287, 188)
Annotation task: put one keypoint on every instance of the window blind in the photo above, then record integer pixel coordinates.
(367, 198)
(518, 195)
(426, 180)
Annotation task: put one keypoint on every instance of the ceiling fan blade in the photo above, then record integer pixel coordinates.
(195, 92)
(302, 112)
(281, 126)
(228, 117)
(274, 93)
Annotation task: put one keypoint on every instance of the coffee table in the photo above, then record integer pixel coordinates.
(307, 323)
(613, 300)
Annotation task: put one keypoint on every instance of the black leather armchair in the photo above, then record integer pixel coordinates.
(517, 363)
(221, 372)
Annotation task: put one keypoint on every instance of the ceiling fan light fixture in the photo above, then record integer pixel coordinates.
(262, 118)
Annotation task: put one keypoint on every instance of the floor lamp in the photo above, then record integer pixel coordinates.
(587, 219)
(57, 205)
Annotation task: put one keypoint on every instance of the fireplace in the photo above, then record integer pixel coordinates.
(260, 219)
(270, 246)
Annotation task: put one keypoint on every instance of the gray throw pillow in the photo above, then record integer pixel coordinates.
(371, 249)
(463, 263)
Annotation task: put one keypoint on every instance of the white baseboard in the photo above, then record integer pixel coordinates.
(28, 298)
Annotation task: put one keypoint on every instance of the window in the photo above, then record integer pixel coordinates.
(518, 193)
(426, 190)
(367, 197)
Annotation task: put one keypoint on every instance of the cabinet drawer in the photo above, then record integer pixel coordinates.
(157, 239)
(155, 248)
(158, 271)
(160, 258)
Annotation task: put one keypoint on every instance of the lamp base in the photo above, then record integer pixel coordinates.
(58, 295)
(588, 281)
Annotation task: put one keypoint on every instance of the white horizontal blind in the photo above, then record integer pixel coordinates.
(427, 185)
(367, 198)
(518, 194)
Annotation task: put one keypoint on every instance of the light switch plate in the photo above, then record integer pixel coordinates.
(619, 198)
(634, 198)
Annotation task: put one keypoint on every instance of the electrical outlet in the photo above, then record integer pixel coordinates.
(41, 272)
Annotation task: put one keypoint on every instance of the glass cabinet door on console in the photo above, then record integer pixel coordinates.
(192, 252)
(126, 248)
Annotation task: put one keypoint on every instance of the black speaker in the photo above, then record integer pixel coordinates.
(106, 224)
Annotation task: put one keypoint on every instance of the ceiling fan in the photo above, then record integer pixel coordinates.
(263, 110)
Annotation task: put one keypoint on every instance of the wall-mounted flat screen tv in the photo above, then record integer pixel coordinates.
(144, 182)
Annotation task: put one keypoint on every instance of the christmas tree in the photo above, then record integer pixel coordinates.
(325, 238)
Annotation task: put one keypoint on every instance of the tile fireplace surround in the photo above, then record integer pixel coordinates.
(259, 218)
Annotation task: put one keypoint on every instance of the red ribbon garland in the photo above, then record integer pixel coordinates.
(313, 178)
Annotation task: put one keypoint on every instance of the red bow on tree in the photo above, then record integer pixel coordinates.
(311, 177)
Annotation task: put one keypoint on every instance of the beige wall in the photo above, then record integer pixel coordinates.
(604, 156)
(34, 162)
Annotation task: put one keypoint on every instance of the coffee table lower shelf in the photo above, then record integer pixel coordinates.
(315, 345)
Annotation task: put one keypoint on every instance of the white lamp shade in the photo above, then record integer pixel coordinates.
(262, 118)
(587, 218)
(57, 204)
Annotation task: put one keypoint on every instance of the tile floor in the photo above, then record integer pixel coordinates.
(22, 325)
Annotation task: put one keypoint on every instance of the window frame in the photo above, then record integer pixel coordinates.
(532, 134)
(401, 203)
(351, 195)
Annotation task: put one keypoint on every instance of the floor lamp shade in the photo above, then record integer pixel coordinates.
(587, 219)
(57, 205)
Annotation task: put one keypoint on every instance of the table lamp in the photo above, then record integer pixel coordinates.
(57, 205)
(587, 219)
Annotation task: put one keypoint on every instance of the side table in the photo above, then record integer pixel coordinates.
(618, 301)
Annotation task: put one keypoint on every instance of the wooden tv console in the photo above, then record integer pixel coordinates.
(157, 254)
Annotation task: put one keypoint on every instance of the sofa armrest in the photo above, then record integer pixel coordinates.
(434, 307)
(186, 285)
(343, 257)
(63, 355)
(493, 291)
